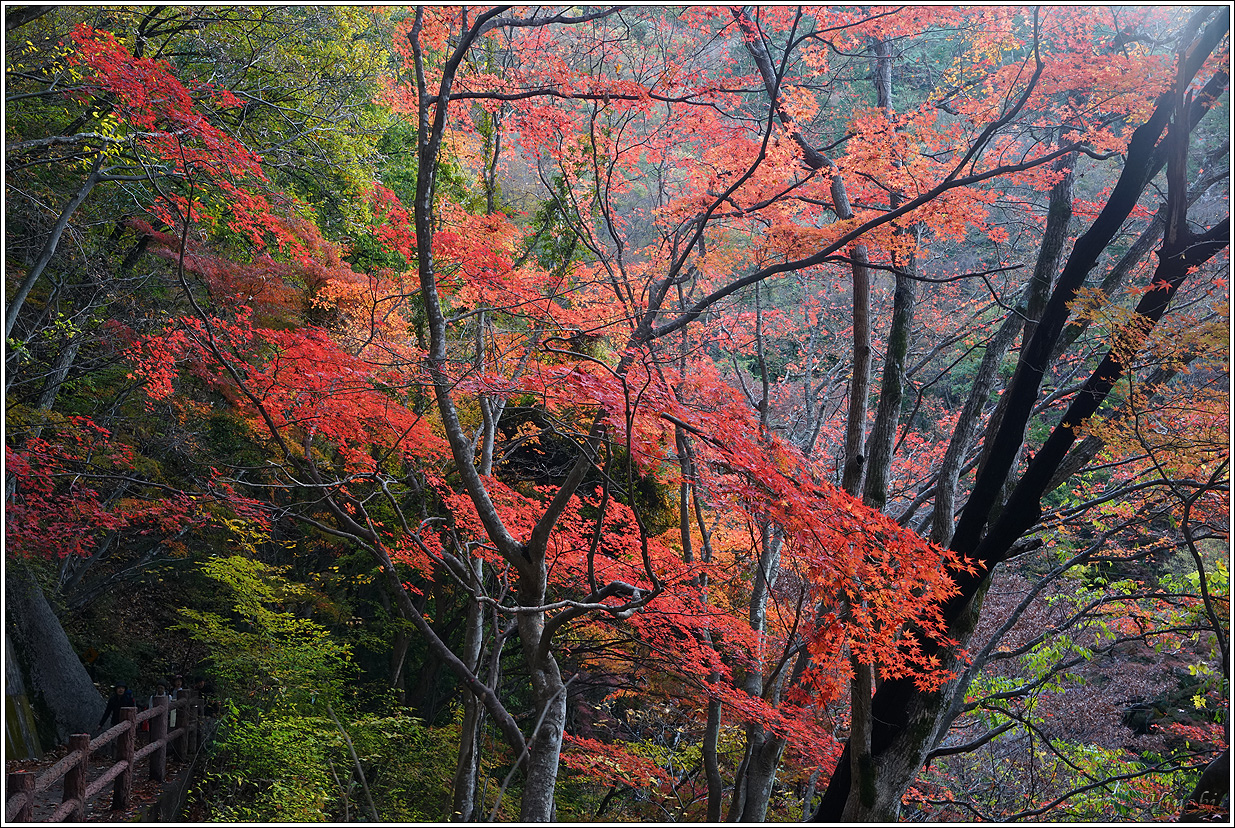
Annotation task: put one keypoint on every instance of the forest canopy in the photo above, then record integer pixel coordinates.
(770, 413)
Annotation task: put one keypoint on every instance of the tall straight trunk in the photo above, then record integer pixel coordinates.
(882, 437)
(467, 768)
(891, 393)
(862, 786)
(752, 785)
(859, 385)
(711, 760)
(757, 772)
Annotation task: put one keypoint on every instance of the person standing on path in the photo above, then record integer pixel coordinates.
(123, 697)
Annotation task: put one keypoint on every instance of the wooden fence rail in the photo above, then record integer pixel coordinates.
(23, 786)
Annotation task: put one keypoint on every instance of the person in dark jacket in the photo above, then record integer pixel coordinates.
(123, 697)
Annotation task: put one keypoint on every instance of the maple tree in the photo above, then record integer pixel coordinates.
(645, 349)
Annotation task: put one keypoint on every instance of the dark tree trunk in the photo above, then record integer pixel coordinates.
(711, 763)
(1059, 214)
(1204, 803)
(891, 392)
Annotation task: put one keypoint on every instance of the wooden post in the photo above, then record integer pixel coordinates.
(192, 710)
(21, 783)
(158, 731)
(126, 746)
(75, 778)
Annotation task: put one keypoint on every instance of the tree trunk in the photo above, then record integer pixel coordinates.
(859, 385)
(398, 656)
(688, 497)
(544, 744)
(891, 392)
(21, 733)
(763, 760)
(49, 247)
(966, 429)
(711, 763)
(752, 786)
(862, 786)
(467, 769)
(859, 388)
(68, 354)
(1213, 786)
(1149, 237)
(882, 437)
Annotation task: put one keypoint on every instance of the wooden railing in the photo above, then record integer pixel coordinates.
(24, 786)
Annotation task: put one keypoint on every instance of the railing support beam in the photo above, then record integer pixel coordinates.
(158, 732)
(21, 783)
(75, 778)
(126, 746)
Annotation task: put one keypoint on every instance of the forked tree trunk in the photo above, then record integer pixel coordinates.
(763, 760)
(688, 503)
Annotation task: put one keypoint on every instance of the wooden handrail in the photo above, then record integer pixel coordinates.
(23, 786)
